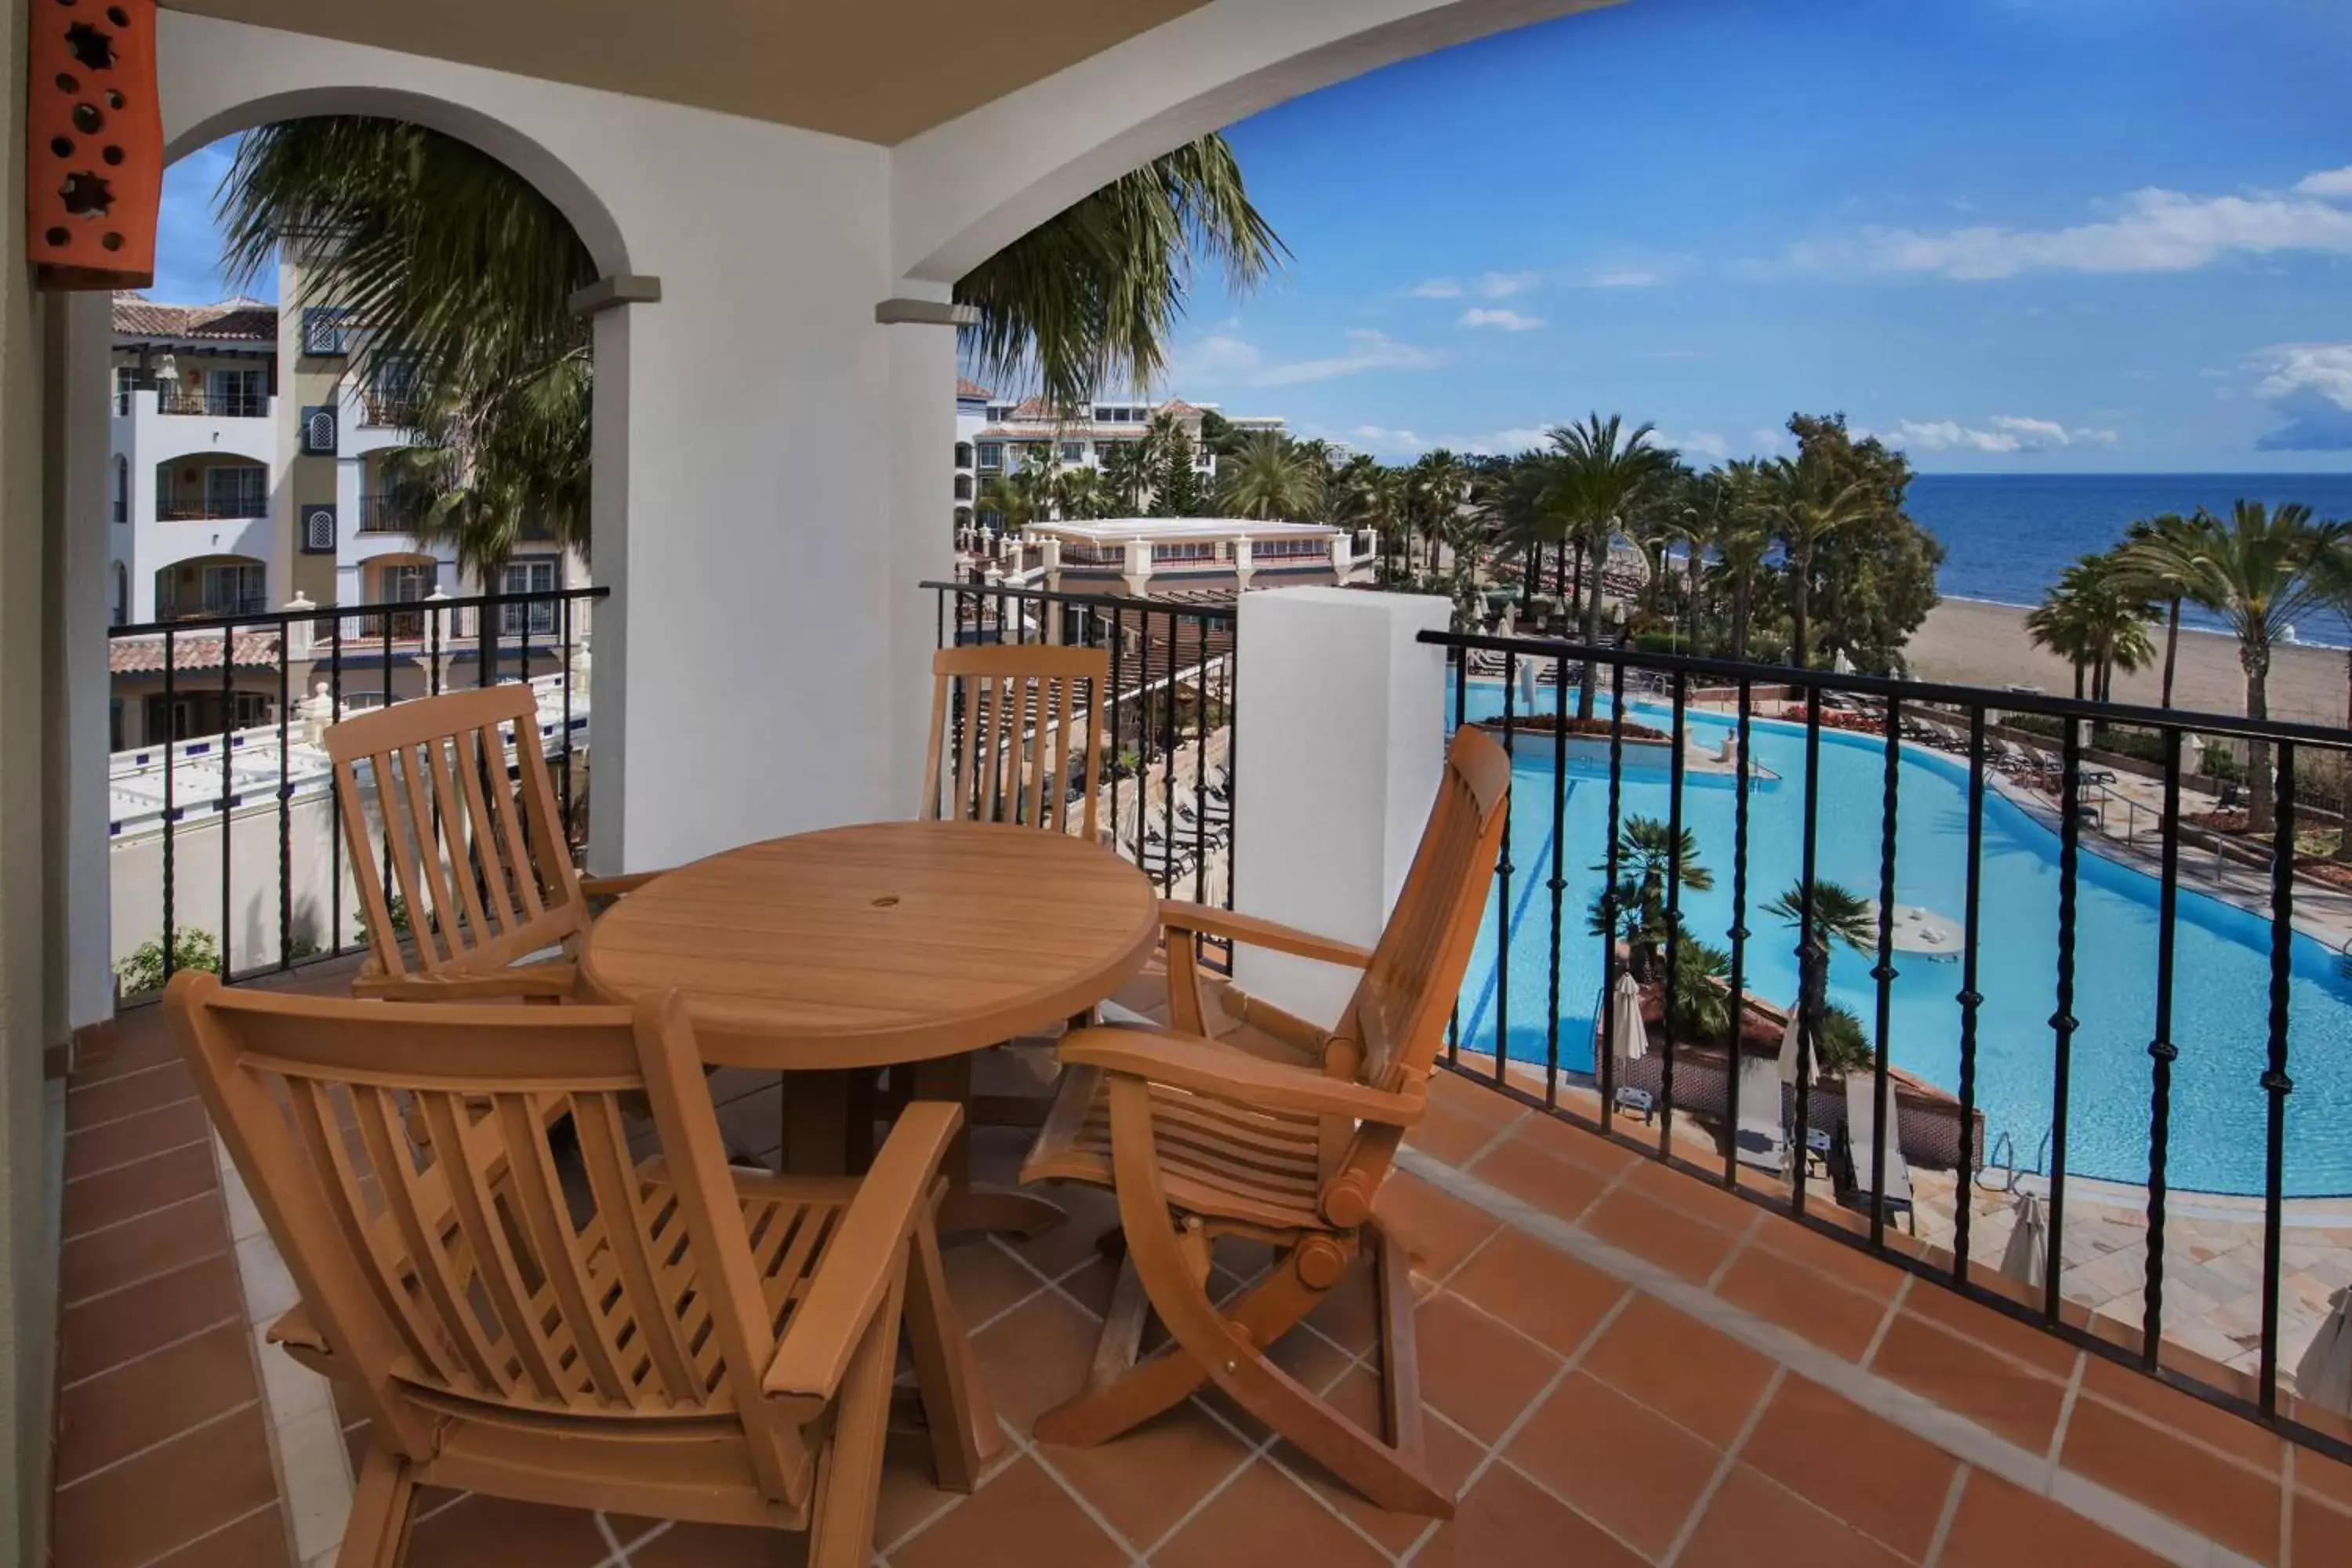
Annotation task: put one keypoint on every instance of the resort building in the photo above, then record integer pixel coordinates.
(246, 468)
(994, 437)
(1147, 555)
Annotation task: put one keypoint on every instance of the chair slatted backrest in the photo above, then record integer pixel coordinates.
(471, 849)
(1388, 1037)
(453, 1272)
(1011, 729)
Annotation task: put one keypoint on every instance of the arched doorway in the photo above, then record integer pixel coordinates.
(209, 586)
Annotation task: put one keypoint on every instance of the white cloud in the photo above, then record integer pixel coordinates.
(1435, 289)
(1507, 320)
(2002, 433)
(2310, 386)
(1502, 285)
(1706, 443)
(2152, 230)
(1222, 358)
(1769, 440)
(1388, 440)
(1379, 438)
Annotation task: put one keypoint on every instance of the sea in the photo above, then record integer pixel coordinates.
(2007, 536)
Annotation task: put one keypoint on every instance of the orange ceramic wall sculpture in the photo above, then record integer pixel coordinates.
(93, 144)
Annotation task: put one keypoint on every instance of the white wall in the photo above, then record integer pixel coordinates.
(1339, 732)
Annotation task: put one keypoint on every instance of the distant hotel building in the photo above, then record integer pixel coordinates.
(994, 437)
(247, 466)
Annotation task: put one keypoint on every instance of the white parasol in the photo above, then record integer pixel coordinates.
(2027, 1257)
(2324, 1377)
(1633, 1037)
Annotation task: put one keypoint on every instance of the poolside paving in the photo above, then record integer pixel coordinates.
(1622, 1365)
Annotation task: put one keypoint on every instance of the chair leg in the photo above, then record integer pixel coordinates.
(849, 1484)
(1123, 1392)
(377, 1532)
(962, 1427)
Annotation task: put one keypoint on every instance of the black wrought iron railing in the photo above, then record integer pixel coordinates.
(215, 403)
(1169, 777)
(241, 503)
(226, 835)
(1894, 967)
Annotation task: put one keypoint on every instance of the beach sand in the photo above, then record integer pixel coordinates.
(1970, 643)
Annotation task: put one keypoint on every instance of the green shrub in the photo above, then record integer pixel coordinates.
(2221, 763)
(142, 972)
(2036, 724)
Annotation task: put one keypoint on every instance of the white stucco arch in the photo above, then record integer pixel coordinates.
(211, 119)
(965, 190)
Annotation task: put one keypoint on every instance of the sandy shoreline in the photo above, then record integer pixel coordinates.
(1970, 642)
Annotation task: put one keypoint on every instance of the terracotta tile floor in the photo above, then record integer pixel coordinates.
(1620, 1367)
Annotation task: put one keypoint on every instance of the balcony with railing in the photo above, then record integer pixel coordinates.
(1973, 1219)
(213, 403)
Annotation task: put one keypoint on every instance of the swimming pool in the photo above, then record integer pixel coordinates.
(2221, 967)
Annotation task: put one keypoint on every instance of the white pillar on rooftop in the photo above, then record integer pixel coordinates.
(1340, 741)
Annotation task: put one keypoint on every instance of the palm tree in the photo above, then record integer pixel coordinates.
(1649, 855)
(1127, 476)
(1433, 491)
(1745, 539)
(2333, 572)
(2256, 571)
(2154, 581)
(460, 274)
(2095, 617)
(1838, 914)
(1270, 478)
(1090, 295)
(1599, 471)
(1079, 493)
(1012, 500)
(1806, 504)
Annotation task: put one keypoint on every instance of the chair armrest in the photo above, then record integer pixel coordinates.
(523, 980)
(614, 887)
(1176, 914)
(1204, 1066)
(868, 1246)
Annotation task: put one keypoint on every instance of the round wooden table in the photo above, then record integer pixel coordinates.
(831, 954)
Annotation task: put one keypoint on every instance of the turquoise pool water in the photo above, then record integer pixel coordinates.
(2221, 978)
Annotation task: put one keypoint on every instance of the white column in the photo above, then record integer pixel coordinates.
(919, 470)
(1339, 742)
(1243, 568)
(1139, 567)
(81, 337)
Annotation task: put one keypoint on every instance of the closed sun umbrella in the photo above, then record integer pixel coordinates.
(1526, 685)
(2026, 1258)
(1789, 1049)
(1632, 1040)
(2324, 1374)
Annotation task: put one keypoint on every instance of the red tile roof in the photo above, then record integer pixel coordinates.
(241, 319)
(967, 387)
(145, 655)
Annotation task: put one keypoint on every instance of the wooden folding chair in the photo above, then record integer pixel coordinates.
(674, 1338)
(475, 853)
(1009, 726)
(1201, 1139)
(1012, 727)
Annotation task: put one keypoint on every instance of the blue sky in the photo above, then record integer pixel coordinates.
(2013, 235)
(2009, 234)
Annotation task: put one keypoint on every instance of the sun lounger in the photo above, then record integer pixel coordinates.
(1759, 1135)
(1861, 1125)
